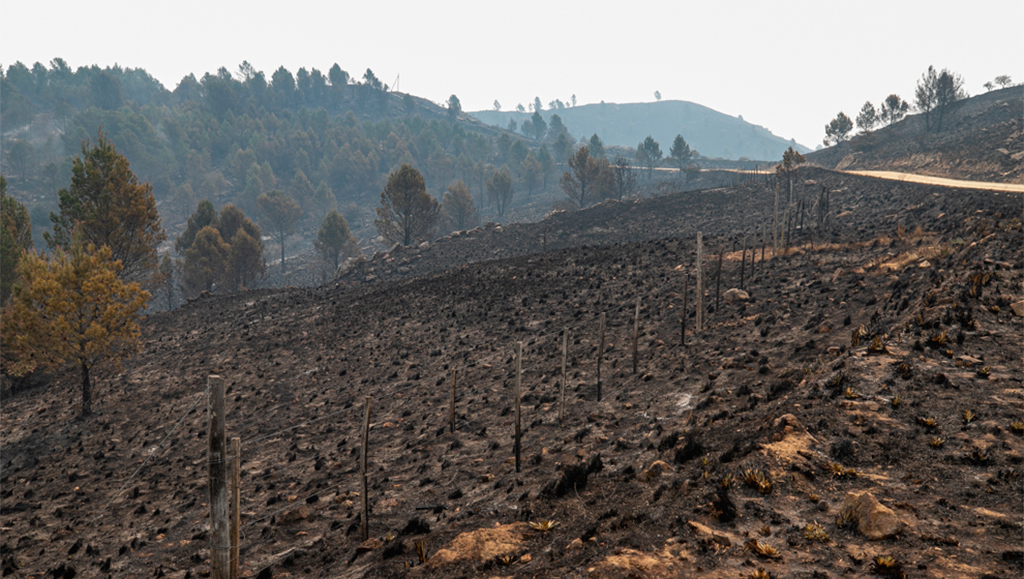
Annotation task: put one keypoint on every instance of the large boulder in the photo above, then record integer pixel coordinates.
(874, 520)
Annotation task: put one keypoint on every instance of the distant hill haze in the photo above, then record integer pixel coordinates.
(710, 132)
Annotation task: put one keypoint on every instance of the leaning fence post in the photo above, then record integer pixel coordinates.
(565, 354)
(636, 333)
(220, 528)
(236, 500)
(700, 283)
(519, 378)
(365, 523)
(600, 356)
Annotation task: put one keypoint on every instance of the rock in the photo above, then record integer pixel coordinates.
(424, 245)
(658, 468)
(709, 535)
(368, 545)
(735, 295)
(295, 515)
(874, 520)
(482, 545)
(925, 264)
(1018, 309)
(576, 543)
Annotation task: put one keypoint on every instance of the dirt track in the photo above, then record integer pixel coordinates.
(941, 181)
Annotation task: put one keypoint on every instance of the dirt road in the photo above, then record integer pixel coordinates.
(929, 180)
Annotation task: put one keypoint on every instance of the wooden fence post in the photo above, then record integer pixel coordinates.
(600, 356)
(451, 410)
(220, 526)
(636, 334)
(743, 263)
(775, 223)
(682, 321)
(236, 501)
(519, 378)
(700, 284)
(718, 281)
(565, 354)
(362, 471)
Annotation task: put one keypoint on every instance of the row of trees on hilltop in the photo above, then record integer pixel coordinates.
(936, 93)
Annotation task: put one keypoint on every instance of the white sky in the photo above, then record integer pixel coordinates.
(788, 66)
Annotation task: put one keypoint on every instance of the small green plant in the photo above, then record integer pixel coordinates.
(815, 532)
(984, 372)
(760, 573)
(765, 530)
(936, 442)
(927, 422)
(937, 340)
(506, 560)
(850, 393)
(969, 416)
(896, 401)
(978, 458)
(1017, 427)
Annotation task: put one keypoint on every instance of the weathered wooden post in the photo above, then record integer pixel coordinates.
(682, 320)
(451, 406)
(364, 488)
(236, 501)
(565, 355)
(636, 334)
(718, 281)
(220, 526)
(519, 378)
(743, 263)
(600, 356)
(775, 223)
(700, 284)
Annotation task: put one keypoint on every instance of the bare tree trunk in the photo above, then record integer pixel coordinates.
(86, 390)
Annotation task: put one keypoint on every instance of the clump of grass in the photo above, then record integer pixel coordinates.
(904, 371)
(936, 442)
(938, 339)
(896, 401)
(1017, 427)
(756, 479)
(927, 422)
(727, 481)
(886, 566)
(850, 393)
(858, 334)
(877, 346)
(846, 518)
(760, 573)
(984, 372)
(762, 549)
(815, 532)
(969, 416)
(840, 471)
(544, 525)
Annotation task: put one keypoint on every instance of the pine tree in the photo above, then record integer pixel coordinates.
(72, 307)
(107, 206)
(407, 213)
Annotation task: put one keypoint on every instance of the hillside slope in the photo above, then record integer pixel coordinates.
(710, 132)
(982, 140)
(773, 384)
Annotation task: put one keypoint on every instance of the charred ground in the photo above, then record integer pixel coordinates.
(926, 278)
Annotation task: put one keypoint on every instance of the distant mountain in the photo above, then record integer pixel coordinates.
(980, 140)
(710, 132)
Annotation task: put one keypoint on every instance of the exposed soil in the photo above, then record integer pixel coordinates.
(982, 139)
(849, 369)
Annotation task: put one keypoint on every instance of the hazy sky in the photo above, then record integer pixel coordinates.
(788, 66)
